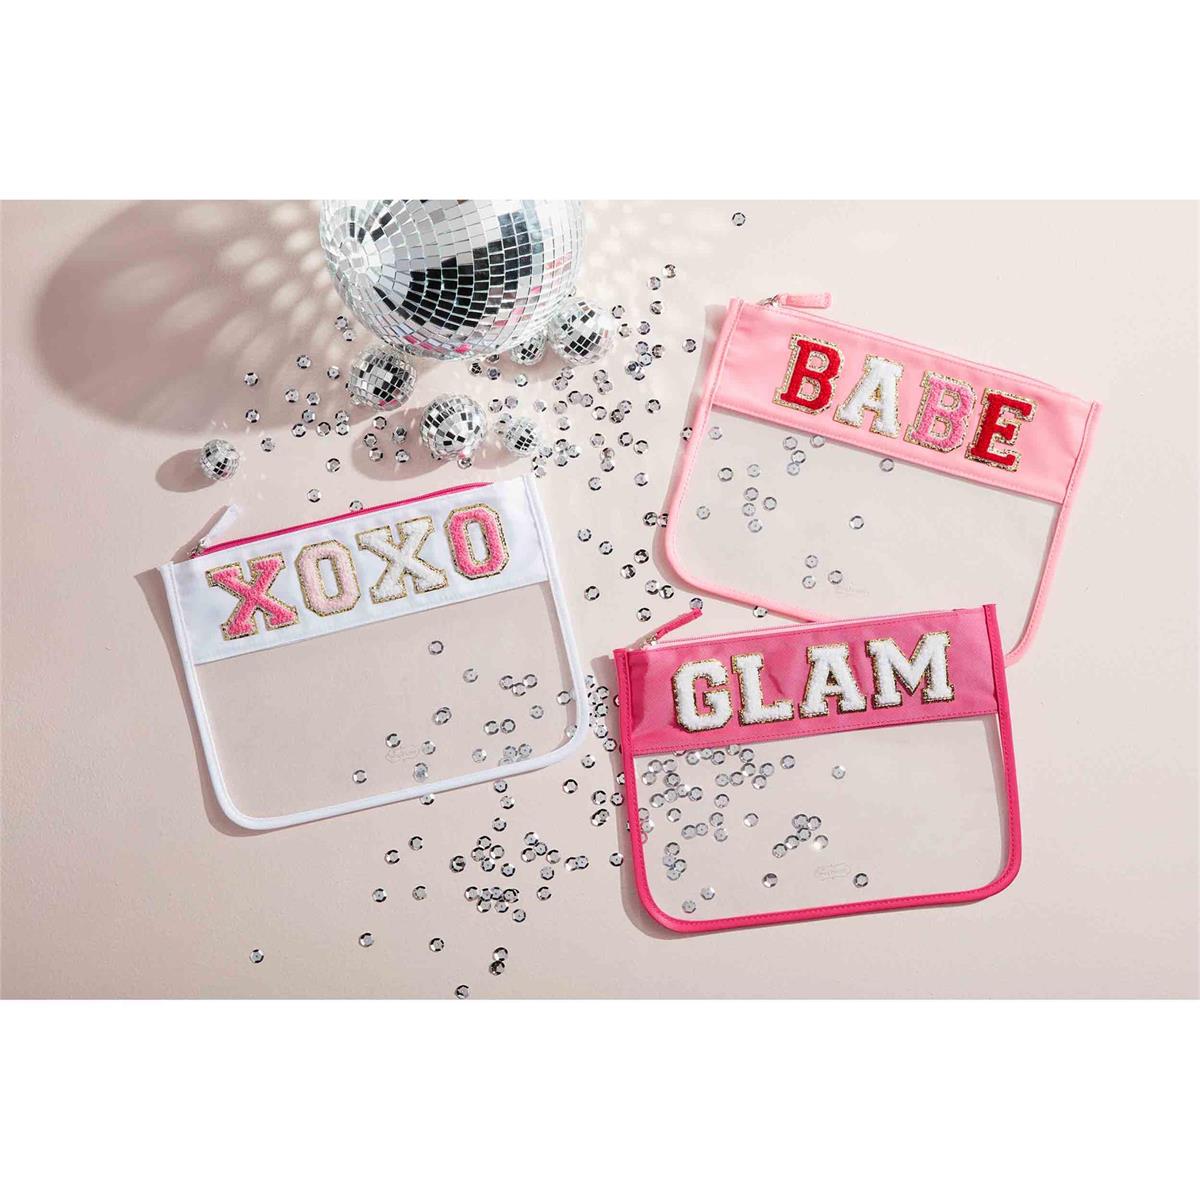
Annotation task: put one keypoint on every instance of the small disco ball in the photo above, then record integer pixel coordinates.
(453, 278)
(579, 332)
(528, 352)
(219, 459)
(521, 437)
(381, 378)
(452, 426)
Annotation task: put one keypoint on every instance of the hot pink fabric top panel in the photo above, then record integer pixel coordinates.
(653, 727)
(756, 362)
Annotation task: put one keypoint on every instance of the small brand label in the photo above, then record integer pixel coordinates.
(403, 754)
(832, 871)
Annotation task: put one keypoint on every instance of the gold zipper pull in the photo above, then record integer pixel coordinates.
(674, 623)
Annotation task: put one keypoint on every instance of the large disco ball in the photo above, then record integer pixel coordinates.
(453, 278)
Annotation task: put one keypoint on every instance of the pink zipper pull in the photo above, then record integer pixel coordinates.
(674, 623)
(798, 300)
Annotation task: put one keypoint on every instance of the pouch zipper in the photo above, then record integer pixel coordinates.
(231, 511)
(224, 518)
(796, 300)
(685, 618)
(651, 642)
(801, 302)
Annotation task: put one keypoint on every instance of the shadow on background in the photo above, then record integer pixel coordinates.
(168, 299)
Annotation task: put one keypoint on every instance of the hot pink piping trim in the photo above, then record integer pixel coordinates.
(1007, 874)
(751, 599)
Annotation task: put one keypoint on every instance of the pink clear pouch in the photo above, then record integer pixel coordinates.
(819, 771)
(394, 653)
(832, 472)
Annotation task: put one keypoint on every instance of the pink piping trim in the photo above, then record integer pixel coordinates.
(1007, 874)
(362, 512)
(687, 463)
(1060, 525)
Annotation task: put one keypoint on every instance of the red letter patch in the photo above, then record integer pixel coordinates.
(809, 384)
(992, 429)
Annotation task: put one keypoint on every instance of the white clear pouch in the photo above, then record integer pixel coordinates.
(833, 473)
(382, 655)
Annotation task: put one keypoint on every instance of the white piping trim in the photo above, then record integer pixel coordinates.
(246, 821)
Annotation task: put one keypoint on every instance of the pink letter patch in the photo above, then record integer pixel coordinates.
(253, 596)
(485, 520)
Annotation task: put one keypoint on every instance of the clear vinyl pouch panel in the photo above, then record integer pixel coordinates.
(396, 673)
(814, 823)
(803, 522)
(832, 473)
(830, 814)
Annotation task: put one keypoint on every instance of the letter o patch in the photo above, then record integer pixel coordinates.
(477, 545)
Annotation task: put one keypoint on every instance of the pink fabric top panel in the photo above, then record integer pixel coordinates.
(653, 726)
(1008, 412)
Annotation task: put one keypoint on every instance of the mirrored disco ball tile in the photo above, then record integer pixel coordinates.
(450, 278)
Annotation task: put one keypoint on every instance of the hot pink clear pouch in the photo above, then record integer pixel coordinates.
(819, 771)
(831, 472)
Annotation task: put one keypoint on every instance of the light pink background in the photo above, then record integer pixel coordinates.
(126, 329)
